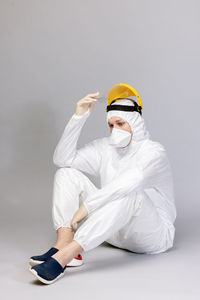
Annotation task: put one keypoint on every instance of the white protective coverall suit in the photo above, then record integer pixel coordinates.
(134, 209)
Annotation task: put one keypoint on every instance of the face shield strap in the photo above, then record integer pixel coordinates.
(136, 107)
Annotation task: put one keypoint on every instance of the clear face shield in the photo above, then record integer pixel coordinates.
(103, 97)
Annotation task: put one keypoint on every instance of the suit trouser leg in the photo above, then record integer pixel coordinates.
(71, 186)
(144, 233)
(104, 221)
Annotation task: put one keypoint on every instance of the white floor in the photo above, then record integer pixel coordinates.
(108, 272)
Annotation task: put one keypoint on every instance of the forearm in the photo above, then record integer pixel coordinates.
(118, 188)
(152, 174)
(66, 148)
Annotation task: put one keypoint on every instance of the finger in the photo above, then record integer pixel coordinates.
(71, 225)
(93, 97)
(93, 94)
(91, 101)
(87, 100)
(74, 227)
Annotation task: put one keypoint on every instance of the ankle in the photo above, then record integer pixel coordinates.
(61, 245)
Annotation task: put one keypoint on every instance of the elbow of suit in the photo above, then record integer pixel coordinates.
(58, 162)
(62, 162)
(60, 165)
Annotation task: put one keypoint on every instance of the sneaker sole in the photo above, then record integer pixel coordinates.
(33, 262)
(73, 263)
(44, 280)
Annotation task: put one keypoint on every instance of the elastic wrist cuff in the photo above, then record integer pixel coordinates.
(86, 114)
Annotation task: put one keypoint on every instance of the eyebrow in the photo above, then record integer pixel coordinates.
(118, 120)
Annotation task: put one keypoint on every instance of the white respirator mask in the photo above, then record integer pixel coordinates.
(119, 137)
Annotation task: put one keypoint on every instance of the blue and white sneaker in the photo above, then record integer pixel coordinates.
(48, 271)
(38, 259)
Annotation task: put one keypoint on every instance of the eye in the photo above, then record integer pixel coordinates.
(121, 124)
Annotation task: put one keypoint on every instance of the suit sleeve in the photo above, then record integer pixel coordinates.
(150, 173)
(66, 154)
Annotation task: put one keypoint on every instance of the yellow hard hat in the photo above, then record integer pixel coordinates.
(122, 90)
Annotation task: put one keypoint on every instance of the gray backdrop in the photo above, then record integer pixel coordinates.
(52, 54)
